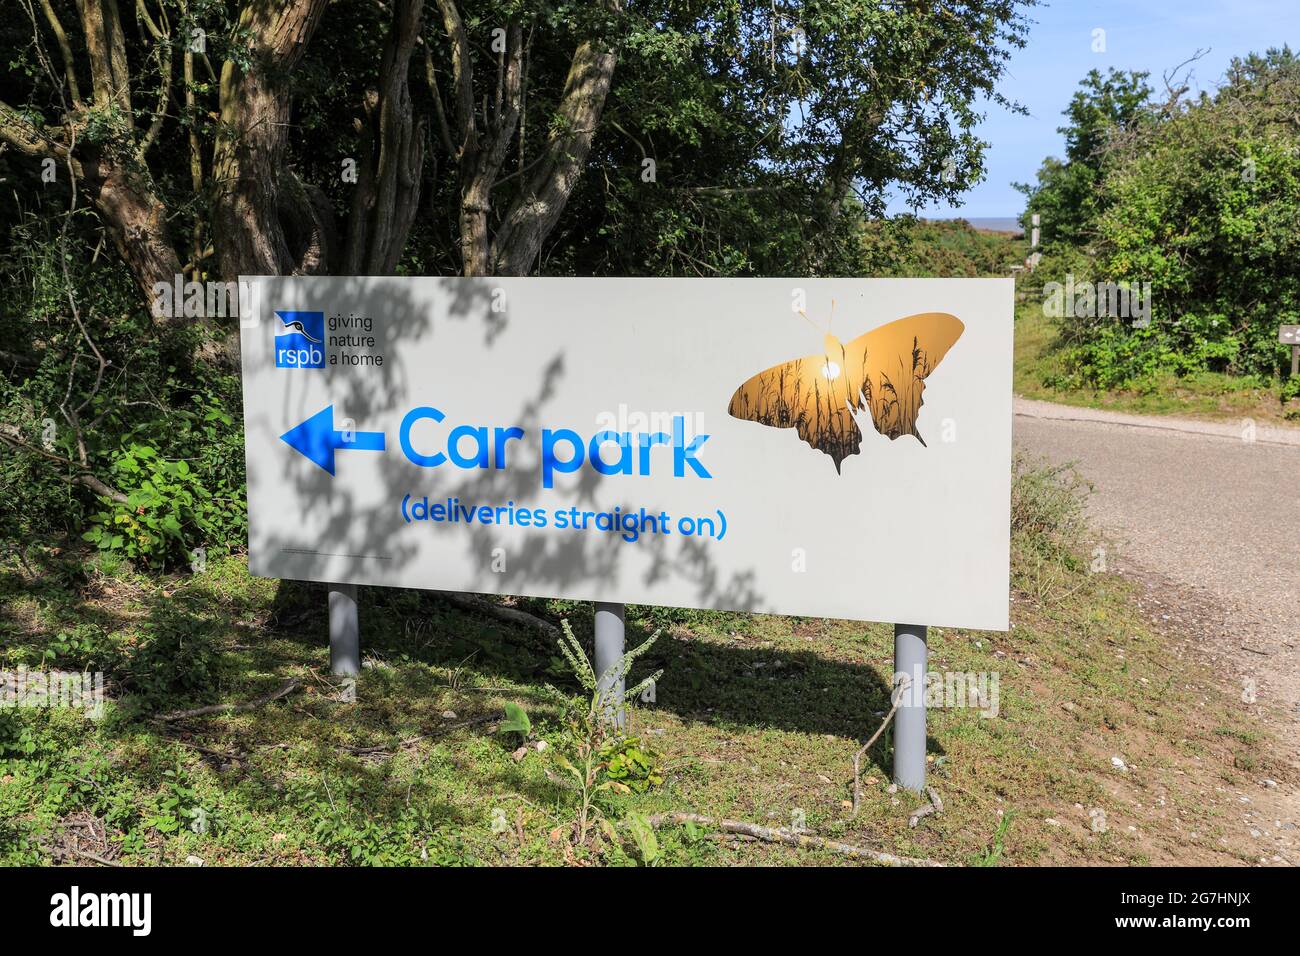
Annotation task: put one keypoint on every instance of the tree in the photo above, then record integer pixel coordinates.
(262, 217)
(99, 140)
(834, 102)
(1199, 199)
(1101, 111)
(213, 138)
(718, 138)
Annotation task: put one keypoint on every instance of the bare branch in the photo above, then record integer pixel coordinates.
(12, 437)
(163, 51)
(61, 37)
(284, 690)
(462, 78)
(790, 837)
(444, 131)
(537, 209)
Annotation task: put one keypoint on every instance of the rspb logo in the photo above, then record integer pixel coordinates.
(301, 343)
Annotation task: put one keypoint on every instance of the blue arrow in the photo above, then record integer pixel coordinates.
(317, 439)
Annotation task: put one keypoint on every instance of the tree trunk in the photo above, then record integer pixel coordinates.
(249, 154)
(388, 187)
(481, 165)
(537, 209)
(479, 148)
(106, 46)
(137, 220)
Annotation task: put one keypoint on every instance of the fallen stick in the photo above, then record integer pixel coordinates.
(284, 691)
(903, 682)
(86, 854)
(511, 615)
(10, 436)
(771, 835)
(934, 806)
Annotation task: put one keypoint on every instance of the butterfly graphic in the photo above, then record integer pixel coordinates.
(883, 371)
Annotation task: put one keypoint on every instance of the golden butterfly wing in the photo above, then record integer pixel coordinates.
(887, 367)
(817, 395)
(799, 394)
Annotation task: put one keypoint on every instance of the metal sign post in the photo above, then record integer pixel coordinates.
(610, 644)
(345, 634)
(909, 722)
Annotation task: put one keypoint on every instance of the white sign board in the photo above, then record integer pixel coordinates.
(826, 447)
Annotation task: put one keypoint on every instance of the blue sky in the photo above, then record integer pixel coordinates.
(1151, 35)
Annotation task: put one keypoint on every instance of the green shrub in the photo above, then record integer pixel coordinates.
(17, 739)
(632, 764)
(174, 656)
(1048, 520)
(915, 248)
(1201, 200)
(107, 392)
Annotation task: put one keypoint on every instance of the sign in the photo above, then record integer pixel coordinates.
(1290, 335)
(826, 447)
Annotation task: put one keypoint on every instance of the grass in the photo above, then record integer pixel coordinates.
(1209, 396)
(755, 718)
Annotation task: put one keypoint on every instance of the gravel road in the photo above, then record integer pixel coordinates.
(1204, 508)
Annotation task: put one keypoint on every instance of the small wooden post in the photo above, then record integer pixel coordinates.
(1290, 335)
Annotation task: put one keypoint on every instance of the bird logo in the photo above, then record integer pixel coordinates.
(302, 342)
(297, 326)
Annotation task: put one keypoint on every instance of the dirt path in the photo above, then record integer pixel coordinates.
(1207, 517)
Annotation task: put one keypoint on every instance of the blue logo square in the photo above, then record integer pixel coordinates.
(302, 342)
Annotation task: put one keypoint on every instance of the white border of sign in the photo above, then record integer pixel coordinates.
(903, 532)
